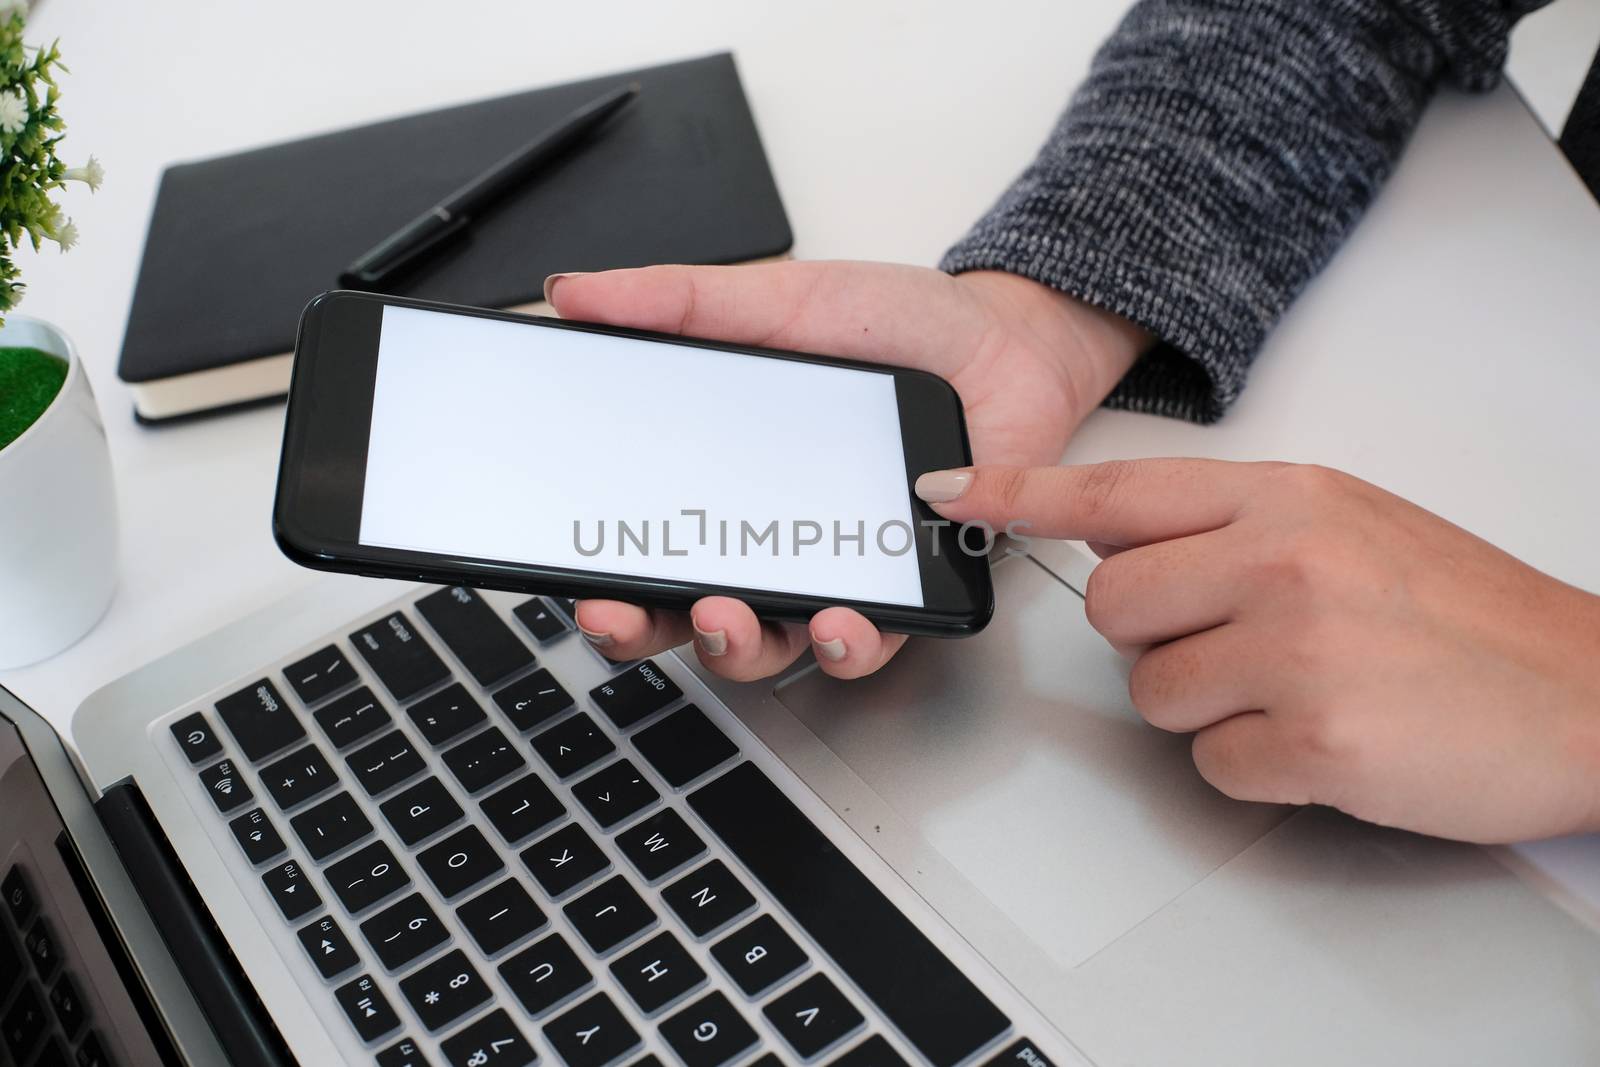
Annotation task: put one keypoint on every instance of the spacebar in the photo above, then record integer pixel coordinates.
(917, 988)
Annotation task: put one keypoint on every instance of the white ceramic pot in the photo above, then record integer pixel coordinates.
(58, 514)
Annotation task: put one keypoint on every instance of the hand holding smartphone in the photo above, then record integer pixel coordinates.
(453, 444)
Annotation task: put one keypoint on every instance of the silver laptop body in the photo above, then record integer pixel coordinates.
(1046, 878)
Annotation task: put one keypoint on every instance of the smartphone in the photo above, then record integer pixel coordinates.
(458, 445)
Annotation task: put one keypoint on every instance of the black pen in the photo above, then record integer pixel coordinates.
(454, 213)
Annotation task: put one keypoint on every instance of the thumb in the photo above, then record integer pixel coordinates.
(1124, 502)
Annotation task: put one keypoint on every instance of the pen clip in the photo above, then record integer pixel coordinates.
(401, 249)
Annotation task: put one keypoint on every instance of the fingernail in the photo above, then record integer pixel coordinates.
(832, 651)
(938, 487)
(597, 640)
(554, 279)
(715, 642)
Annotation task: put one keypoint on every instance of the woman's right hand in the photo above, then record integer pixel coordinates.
(1028, 362)
(1327, 642)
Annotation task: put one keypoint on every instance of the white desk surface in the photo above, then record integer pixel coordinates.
(1450, 352)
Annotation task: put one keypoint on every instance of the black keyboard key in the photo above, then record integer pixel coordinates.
(460, 861)
(443, 991)
(660, 845)
(573, 745)
(291, 890)
(12, 969)
(420, 811)
(260, 720)
(320, 675)
(67, 1005)
(658, 973)
(298, 777)
(195, 736)
(403, 1053)
(814, 1016)
(257, 837)
(1020, 1051)
(708, 899)
(91, 1053)
(330, 950)
(564, 860)
(534, 700)
(18, 896)
(876, 1051)
(40, 945)
(482, 760)
(709, 1032)
(404, 931)
(593, 1034)
(501, 916)
(226, 787)
(367, 1009)
(446, 715)
(522, 808)
(353, 716)
(684, 746)
(386, 763)
(24, 1024)
(50, 1055)
(610, 914)
(614, 793)
(546, 975)
(942, 1014)
(635, 694)
(367, 876)
(471, 629)
(399, 656)
(331, 826)
(492, 1041)
(544, 623)
(758, 956)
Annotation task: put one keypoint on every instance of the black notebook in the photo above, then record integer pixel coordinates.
(239, 244)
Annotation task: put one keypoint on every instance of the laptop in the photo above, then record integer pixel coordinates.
(439, 828)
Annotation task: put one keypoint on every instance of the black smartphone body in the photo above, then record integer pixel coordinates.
(458, 445)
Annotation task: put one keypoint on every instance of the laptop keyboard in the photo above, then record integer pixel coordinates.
(485, 861)
(47, 1020)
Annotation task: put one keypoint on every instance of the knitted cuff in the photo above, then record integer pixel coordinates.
(1199, 366)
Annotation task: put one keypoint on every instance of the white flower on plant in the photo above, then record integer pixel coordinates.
(65, 235)
(13, 111)
(90, 174)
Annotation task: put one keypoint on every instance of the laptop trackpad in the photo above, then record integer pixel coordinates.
(1017, 756)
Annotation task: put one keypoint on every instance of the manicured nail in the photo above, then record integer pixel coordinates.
(715, 642)
(551, 282)
(939, 487)
(832, 651)
(597, 640)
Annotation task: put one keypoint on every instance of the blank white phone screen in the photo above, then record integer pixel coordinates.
(501, 441)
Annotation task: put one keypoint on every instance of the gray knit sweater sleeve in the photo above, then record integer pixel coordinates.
(1213, 161)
